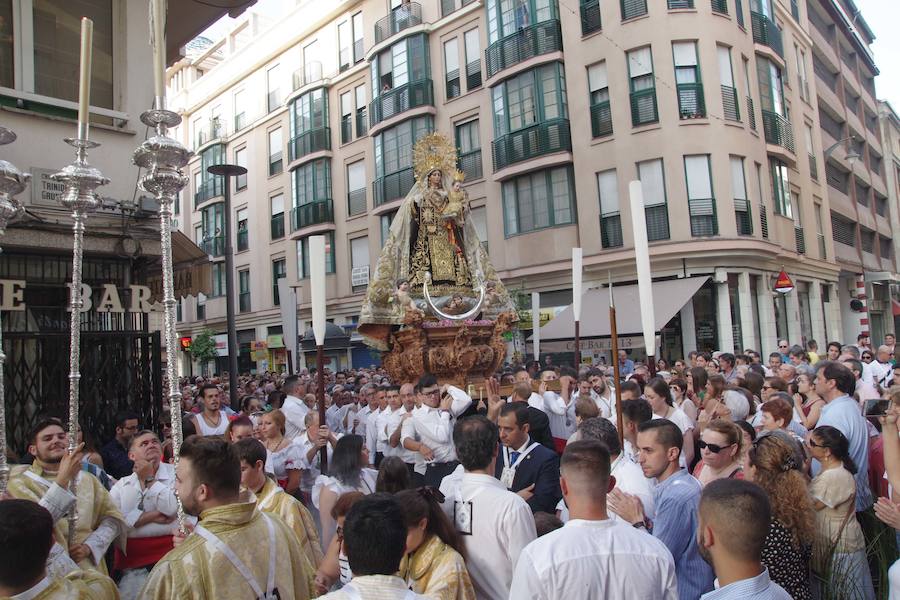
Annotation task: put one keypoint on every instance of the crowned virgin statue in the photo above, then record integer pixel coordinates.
(432, 256)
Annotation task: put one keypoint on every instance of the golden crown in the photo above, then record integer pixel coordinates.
(433, 151)
(459, 176)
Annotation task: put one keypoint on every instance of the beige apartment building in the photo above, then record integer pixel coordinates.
(555, 105)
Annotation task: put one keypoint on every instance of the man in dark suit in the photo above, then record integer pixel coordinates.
(525, 466)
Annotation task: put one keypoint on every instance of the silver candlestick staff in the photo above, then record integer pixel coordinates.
(163, 158)
(80, 180)
(12, 183)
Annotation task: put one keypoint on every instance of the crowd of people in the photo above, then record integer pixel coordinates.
(717, 476)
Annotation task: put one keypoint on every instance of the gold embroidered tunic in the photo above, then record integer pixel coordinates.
(439, 245)
(438, 571)
(93, 504)
(78, 585)
(273, 500)
(198, 571)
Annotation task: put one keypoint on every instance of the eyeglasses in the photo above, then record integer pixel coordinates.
(433, 392)
(813, 444)
(767, 387)
(714, 448)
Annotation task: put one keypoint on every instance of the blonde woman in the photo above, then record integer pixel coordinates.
(283, 458)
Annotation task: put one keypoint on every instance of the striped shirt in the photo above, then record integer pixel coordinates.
(755, 588)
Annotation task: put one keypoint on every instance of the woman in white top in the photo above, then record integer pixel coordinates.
(348, 472)
(658, 394)
(283, 458)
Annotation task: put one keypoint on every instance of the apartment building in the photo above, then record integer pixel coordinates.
(844, 71)
(890, 136)
(555, 105)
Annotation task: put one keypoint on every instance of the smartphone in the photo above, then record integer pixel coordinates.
(876, 407)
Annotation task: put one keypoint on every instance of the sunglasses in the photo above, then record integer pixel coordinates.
(714, 448)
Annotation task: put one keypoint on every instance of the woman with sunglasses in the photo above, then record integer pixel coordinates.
(807, 402)
(775, 465)
(720, 452)
(839, 552)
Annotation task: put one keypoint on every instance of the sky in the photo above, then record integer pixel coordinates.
(883, 17)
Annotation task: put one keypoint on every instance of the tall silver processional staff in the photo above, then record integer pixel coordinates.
(79, 180)
(163, 158)
(12, 183)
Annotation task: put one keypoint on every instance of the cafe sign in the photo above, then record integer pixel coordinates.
(12, 298)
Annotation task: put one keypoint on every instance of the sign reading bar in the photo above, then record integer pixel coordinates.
(625, 342)
(12, 298)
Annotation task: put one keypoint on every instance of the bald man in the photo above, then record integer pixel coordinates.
(593, 556)
(734, 519)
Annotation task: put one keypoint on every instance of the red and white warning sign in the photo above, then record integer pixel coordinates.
(783, 284)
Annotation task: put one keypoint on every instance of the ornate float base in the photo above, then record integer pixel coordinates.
(459, 354)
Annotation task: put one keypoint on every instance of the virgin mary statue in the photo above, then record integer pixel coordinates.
(432, 243)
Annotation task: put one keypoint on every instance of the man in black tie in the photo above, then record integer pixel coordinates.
(525, 466)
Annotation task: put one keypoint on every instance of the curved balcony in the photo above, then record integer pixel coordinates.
(401, 99)
(393, 186)
(307, 75)
(541, 38)
(209, 189)
(312, 213)
(308, 142)
(402, 17)
(537, 140)
(766, 32)
(778, 130)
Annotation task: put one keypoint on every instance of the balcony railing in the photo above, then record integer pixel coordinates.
(402, 17)
(657, 222)
(449, 6)
(643, 107)
(720, 6)
(778, 130)
(312, 213)
(537, 140)
(766, 32)
(210, 188)
(799, 239)
(215, 129)
(310, 141)
(751, 113)
(346, 129)
(243, 240)
(703, 217)
(730, 103)
(590, 16)
(401, 99)
(691, 103)
(362, 122)
(528, 42)
(676, 4)
(356, 202)
(393, 186)
(309, 73)
(601, 119)
(244, 302)
(470, 164)
(611, 230)
(214, 246)
(813, 167)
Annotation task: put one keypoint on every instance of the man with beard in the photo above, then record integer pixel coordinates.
(46, 481)
(235, 551)
(147, 500)
(115, 452)
(212, 420)
(734, 520)
(270, 498)
(27, 533)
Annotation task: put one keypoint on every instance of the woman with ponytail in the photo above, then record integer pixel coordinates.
(775, 464)
(839, 552)
(434, 564)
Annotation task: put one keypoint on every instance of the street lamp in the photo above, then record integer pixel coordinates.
(227, 172)
(852, 155)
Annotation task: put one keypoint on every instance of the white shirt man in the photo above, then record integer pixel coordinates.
(593, 556)
(434, 426)
(294, 410)
(310, 449)
(561, 415)
(496, 524)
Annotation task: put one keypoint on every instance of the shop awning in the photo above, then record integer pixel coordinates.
(191, 267)
(669, 297)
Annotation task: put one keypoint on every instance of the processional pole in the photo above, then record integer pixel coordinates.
(79, 180)
(576, 302)
(317, 298)
(163, 158)
(12, 183)
(614, 339)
